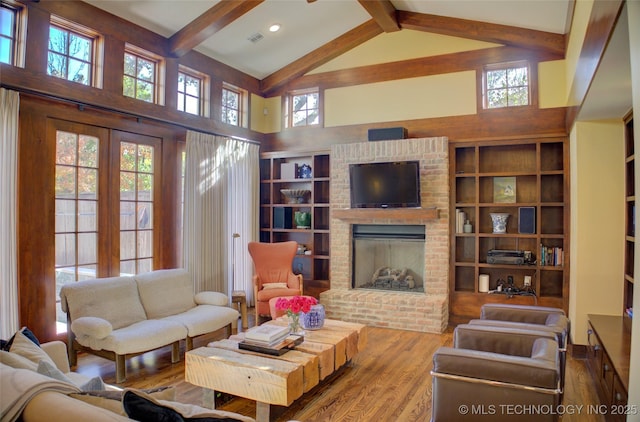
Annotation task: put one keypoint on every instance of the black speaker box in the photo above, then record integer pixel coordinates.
(283, 218)
(387, 134)
(527, 220)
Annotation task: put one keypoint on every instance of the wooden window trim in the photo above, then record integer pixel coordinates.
(287, 106)
(160, 71)
(481, 80)
(203, 95)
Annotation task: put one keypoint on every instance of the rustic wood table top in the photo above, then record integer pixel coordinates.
(279, 380)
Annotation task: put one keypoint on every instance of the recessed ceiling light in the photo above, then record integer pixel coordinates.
(275, 27)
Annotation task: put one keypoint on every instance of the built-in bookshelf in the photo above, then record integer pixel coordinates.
(307, 171)
(528, 180)
(630, 224)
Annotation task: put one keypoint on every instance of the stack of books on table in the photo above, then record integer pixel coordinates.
(267, 335)
(271, 339)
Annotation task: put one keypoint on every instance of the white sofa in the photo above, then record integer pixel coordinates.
(118, 317)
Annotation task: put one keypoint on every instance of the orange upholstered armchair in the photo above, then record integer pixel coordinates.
(273, 276)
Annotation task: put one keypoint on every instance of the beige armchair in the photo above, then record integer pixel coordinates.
(495, 374)
(551, 320)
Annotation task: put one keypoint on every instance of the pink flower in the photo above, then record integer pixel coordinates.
(296, 304)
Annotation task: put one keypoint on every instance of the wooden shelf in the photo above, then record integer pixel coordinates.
(406, 214)
(539, 168)
(315, 267)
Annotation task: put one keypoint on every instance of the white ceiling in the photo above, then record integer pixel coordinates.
(308, 26)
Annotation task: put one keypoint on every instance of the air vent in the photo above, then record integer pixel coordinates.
(254, 38)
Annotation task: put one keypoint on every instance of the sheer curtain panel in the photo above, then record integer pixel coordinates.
(9, 106)
(221, 200)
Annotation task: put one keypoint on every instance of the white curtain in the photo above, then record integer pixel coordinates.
(9, 106)
(221, 199)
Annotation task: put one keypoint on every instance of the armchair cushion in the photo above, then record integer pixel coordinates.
(92, 326)
(506, 341)
(518, 313)
(269, 286)
(539, 369)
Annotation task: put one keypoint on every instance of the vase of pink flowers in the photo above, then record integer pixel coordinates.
(294, 306)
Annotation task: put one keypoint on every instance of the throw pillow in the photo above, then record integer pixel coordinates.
(268, 286)
(46, 368)
(16, 361)
(6, 344)
(22, 346)
(144, 408)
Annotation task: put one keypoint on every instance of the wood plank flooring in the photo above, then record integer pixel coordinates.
(388, 381)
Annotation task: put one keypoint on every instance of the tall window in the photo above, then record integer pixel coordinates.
(136, 207)
(192, 92)
(506, 85)
(76, 209)
(71, 52)
(235, 105)
(303, 108)
(141, 75)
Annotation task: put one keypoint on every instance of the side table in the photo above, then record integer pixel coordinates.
(239, 300)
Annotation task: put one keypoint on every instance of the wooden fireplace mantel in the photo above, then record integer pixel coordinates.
(410, 214)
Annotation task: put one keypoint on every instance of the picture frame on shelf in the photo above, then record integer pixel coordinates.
(504, 190)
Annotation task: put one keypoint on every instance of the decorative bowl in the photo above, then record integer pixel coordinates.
(295, 196)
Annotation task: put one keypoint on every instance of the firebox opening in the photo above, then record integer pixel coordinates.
(388, 257)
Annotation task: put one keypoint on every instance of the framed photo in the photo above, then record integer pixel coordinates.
(504, 189)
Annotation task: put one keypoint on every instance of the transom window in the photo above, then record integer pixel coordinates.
(141, 75)
(8, 33)
(191, 92)
(303, 108)
(506, 85)
(71, 52)
(234, 105)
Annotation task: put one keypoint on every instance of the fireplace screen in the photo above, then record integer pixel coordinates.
(388, 257)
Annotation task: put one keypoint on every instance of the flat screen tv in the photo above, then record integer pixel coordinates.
(385, 185)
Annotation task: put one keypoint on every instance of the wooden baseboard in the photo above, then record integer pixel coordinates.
(578, 351)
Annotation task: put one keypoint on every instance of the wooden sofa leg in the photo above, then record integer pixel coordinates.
(189, 343)
(120, 369)
(175, 350)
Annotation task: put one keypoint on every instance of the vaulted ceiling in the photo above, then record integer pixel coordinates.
(313, 32)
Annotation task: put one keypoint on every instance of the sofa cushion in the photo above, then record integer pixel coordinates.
(144, 408)
(205, 318)
(211, 298)
(91, 326)
(165, 292)
(114, 299)
(141, 336)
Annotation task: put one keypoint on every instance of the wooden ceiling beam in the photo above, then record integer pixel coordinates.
(482, 31)
(383, 12)
(207, 24)
(320, 56)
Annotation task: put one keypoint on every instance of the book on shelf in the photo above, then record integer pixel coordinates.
(461, 217)
(552, 256)
(267, 334)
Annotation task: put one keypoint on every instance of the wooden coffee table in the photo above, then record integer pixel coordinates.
(279, 380)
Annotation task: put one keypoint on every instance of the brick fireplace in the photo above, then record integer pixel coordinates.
(425, 311)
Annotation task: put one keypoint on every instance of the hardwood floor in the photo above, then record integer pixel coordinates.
(388, 381)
